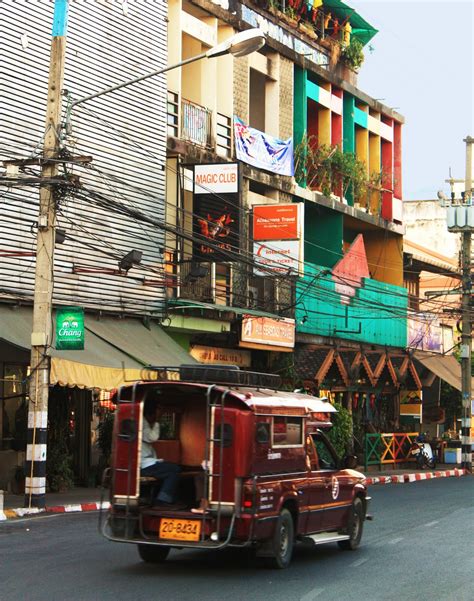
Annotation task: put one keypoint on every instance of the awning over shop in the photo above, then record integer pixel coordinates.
(362, 30)
(115, 350)
(147, 345)
(445, 367)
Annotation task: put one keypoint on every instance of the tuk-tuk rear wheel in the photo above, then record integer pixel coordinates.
(153, 553)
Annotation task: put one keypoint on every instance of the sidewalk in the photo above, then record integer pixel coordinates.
(74, 500)
(88, 499)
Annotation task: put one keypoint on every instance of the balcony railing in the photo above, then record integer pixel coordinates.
(196, 123)
(196, 281)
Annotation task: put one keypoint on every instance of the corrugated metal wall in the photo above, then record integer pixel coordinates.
(124, 131)
(379, 310)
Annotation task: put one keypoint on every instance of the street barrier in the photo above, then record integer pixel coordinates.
(388, 448)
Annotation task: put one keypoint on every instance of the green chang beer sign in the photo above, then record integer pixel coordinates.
(70, 329)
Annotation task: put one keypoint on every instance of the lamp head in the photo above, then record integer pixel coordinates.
(240, 44)
(134, 257)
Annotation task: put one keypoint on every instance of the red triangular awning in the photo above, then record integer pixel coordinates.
(349, 271)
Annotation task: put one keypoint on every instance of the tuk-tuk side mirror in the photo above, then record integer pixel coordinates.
(349, 462)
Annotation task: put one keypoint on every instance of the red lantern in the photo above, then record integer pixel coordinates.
(372, 401)
(355, 400)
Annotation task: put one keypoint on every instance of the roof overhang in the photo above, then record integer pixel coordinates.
(115, 350)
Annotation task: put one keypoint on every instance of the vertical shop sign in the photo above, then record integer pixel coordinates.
(70, 329)
(278, 245)
(216, 212)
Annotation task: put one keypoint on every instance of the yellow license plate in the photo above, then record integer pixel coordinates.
(180, 529)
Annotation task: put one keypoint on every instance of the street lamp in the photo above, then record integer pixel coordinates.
(240, 44)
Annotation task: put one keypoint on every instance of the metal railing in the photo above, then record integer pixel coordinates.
(382, 448)
(196, 123)
(195, 281)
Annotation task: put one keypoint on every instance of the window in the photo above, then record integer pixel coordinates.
(224, 136)
(261, 293)
(168, 426)
(262, 433)
(172, 114)
(171, 269)
(327, 461)
(222, 283)
(257, 100)
(287, 431)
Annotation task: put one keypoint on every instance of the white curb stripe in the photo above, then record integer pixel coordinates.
(22, 511)
(69, 508)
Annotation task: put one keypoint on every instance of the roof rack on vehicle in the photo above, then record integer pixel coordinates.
(229, 375)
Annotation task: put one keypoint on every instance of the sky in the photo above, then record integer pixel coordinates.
(422, 64)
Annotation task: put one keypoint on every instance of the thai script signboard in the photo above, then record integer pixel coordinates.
(258, 332)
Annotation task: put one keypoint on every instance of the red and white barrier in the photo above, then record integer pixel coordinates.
(25, 511)
(414, 477)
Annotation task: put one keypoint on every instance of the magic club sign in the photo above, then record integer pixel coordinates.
(216, 212)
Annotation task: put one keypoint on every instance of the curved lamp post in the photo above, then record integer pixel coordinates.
(240, 44)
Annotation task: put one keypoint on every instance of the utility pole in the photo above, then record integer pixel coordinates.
(41, 337)
(466, 336)
(240, 44)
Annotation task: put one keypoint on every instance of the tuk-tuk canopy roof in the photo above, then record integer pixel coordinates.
(272, 401)
(258, 400)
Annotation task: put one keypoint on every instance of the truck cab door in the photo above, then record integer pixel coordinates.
(315, 489)
(333, 493)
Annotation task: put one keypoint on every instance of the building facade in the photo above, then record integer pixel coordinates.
(108, 257)
(337, 281)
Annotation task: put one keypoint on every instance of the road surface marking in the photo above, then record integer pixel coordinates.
(394, 541)
(431, 523)
(359, 562)
(313, 593)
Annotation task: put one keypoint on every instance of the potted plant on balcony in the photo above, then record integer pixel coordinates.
(291, 17)
(307, 28)
(273, 7)
(352, 55)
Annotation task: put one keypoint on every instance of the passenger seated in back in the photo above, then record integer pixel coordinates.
(151, 465)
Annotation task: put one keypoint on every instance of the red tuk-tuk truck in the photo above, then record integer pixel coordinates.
(259, 457)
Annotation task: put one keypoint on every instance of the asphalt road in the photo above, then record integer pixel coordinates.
(420, 547)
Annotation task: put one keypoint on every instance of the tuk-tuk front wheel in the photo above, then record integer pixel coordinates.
(153, 553)
(283, 541)
(354, 527)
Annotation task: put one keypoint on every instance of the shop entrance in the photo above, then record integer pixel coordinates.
(69, 437)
